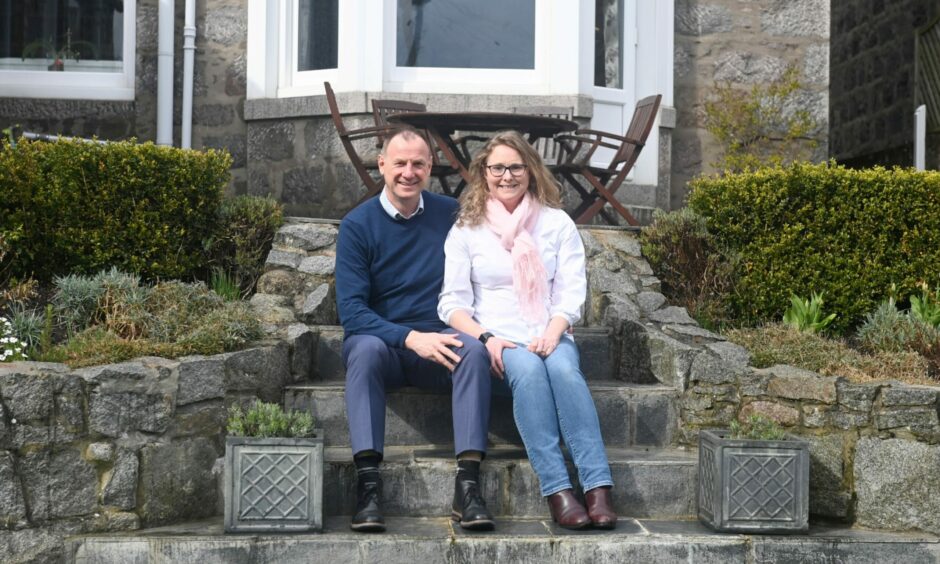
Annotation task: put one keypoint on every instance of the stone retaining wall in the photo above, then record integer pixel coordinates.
(122, 446)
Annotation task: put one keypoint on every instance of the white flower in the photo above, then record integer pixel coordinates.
(13, 421)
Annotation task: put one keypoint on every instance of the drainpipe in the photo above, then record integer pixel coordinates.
(189, 53)
(165, 24)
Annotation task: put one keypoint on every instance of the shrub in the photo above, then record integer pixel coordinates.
(268, 420)
(757, 428)
(685, 257)
(247, 225)
(754, 128)
(847, 233)
(78, 207)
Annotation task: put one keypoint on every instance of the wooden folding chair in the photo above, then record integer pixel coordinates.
(602, 183)
(546, 147)
(347, 136)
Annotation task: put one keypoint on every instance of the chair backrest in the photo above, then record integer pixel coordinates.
(644, 115)
(346, 138)
(381, 109)
(546, 147)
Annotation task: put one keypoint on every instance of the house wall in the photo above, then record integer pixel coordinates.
(218, 89)
(744, 43)
(872, 90)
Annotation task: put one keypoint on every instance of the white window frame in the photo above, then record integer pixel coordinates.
(469, 81)
(80, 85)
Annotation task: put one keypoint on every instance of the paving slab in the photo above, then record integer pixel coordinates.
(410, 540)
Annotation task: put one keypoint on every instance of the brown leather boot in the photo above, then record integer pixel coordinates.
(567, 511)
(600, 508)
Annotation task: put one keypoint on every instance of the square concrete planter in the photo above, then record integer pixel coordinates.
(748, 486)
(273, 485)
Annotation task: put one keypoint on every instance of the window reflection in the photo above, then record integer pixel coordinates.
(62, 35)
(318, 32)
(493, 34)
(608, 43)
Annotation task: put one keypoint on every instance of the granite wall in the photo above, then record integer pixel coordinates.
(743, 43)
(872, 86)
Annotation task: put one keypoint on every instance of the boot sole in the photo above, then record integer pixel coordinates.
(368, 527)
(478, 525)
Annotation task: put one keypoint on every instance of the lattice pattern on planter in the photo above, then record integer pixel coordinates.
(707, 482)
(761, 487)
(274, 485)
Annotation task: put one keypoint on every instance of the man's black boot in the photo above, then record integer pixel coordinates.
(469, 508)
(368, 517)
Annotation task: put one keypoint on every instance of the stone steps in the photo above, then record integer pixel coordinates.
(411, 540)
(419, 482)
(630, 414)
(599, 347)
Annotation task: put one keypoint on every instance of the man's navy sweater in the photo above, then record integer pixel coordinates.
(389, 272)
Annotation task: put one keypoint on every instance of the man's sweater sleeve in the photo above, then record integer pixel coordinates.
(353, 288)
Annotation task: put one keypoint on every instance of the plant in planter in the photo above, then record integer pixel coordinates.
(273, 471)
(753, 479)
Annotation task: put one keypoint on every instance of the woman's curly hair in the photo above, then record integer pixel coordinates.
(542, 185)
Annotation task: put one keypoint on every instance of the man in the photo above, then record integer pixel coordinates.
(389, 269)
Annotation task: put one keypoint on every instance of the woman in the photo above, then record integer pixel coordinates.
(514, 275)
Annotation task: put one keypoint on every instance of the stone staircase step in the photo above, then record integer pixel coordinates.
(419, 482)
(600, 353)
(630, 414)
(411, 540)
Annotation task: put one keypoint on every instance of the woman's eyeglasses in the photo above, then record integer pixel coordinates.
(499, 170)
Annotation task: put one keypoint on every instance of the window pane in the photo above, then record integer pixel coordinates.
(57, 35)
(608, 43)
(490, 34)
(317, 34)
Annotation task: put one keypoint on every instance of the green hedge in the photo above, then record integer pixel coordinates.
(804, 228)
(77, 207)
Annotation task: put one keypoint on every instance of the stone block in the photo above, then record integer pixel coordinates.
(12, 507)
(828, 494)
(897, 486)
(795, 383)
(99, 452)
(58, 484)
(850, 419)
(319, 306)
(28, 397)
(899, 395)
(303, 346)
(225, 25)
(273, 309)
(753, 382)
(70, 405)
(200, 378)
(858, 397)
(213, 115)
(307, 236)
(260, 370)
(270, 141)
(672, 315)
(650, 301)
(284, 258)
(120, 484)
(591, 246)
(691, 334)
(815, 416)
(602, 280)
(653, 420)
(176, 481)
(280, 282)
(801, 18)
(330, 354)
(205, 418)
(782, 414)
(234, 144)
(744, 67)
(649, 356)
(621, 241)
(922, 419)
(131, 396)
(730, 352)
(710, 369)
(698, 19)
(318, 265)
(614, 309)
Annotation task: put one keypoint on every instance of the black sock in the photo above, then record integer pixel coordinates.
(469, 469)
(367, 467)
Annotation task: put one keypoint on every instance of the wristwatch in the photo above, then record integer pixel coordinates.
(484, 337)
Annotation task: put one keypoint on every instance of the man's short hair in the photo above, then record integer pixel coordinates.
(407, 133)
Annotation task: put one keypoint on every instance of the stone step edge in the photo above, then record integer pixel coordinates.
(599, 385)
(593, 329)
(502, 454)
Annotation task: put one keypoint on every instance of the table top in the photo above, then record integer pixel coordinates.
(449, 122)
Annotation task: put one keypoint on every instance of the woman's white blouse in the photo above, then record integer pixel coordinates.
(478, 276)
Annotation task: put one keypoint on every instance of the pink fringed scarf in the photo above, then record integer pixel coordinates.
(528, 273)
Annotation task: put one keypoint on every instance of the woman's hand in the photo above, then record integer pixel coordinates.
(544, 345)
(495, 346)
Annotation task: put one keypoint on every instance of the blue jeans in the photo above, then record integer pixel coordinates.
(551, 400)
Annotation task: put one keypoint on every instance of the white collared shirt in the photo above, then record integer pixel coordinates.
(393, 212)
(478, 276)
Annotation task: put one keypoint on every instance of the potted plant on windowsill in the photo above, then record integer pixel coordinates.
(273, 475)
(753, 479)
